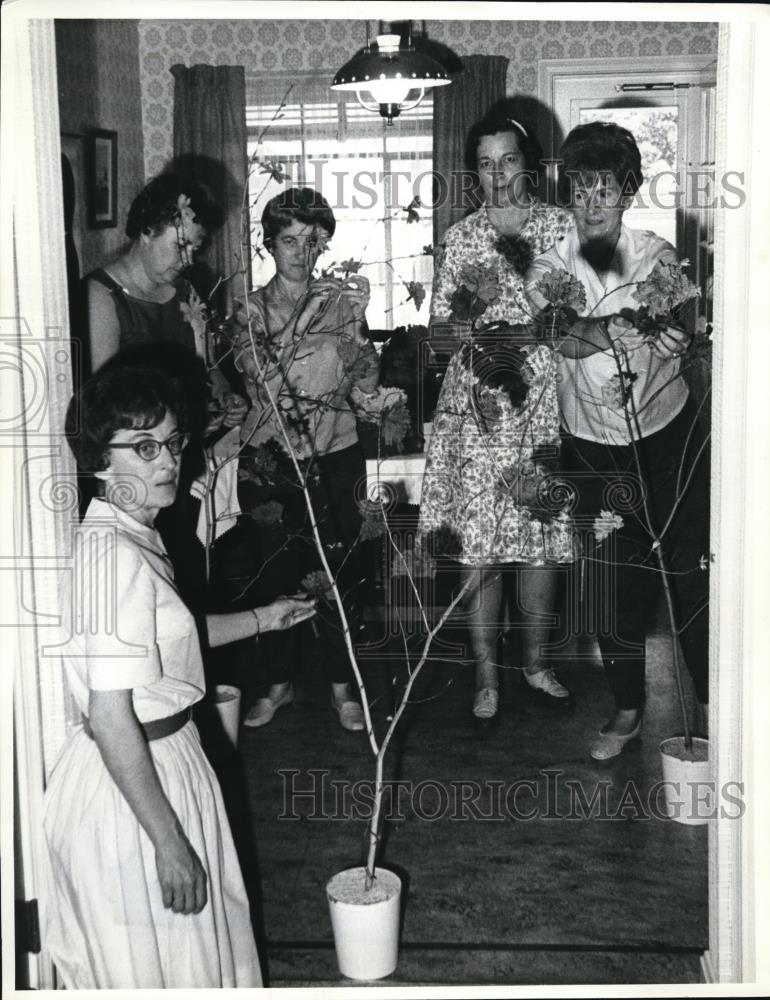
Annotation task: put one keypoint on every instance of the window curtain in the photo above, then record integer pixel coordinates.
(455, 109)
(210, 145)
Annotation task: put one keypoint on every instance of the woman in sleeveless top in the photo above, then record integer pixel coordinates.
(142, 297)
(140, 307)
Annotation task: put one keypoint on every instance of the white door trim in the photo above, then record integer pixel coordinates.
(740, 688)
(38, 475)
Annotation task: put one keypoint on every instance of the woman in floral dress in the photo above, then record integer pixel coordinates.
(485, 491)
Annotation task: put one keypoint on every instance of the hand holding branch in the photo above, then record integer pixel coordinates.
(286, 612)
(355, 290)
(670, 343)
(236, 408)
(315, 301)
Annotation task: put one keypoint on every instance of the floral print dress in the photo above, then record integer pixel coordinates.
(489, 492)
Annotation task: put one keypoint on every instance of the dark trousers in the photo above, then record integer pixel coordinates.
(623, 571)
(265, 560)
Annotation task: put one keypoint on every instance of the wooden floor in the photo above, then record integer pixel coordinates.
(512, 876)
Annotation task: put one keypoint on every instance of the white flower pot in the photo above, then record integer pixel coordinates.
(227, 701)
(365, 924)
(688, 787)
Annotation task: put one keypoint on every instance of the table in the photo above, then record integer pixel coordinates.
(397, 479)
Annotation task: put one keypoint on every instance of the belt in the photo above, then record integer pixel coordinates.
(158, 729)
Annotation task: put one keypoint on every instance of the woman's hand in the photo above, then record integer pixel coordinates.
(670, 343)
(245, 363)
(620, 328)
(355, 290)
(216, 417)
(316, 299)
(236, 408)
(285, 612)
(127, 757)
(181, 875)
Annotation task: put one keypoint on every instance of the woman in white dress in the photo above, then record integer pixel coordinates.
(144, 887)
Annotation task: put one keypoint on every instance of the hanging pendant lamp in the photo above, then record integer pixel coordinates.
(389, 71)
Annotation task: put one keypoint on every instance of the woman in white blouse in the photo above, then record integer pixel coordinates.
(144, 887)
(600, 171)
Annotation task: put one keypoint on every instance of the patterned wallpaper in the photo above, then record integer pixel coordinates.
(270, 46)
(98, 74)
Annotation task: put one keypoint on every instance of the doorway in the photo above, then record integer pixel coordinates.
(33, 196)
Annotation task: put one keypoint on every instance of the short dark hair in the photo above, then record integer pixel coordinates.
(598, 148)
(156, 205)
(119, 397)
(497, 122)
(297, 205)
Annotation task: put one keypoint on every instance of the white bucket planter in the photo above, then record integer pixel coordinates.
(687, 781)
(365, 924)
(227, 701)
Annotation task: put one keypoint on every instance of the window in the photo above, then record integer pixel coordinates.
(369, 173)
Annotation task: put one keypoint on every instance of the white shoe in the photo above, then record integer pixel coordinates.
(546, 684)
(351, 715)
(485, 704)
(605, 746)
(265, 708)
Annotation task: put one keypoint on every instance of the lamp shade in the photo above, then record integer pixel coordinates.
(389, 71)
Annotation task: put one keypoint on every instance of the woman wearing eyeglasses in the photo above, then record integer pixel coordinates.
(139, 308)
(144, 887)
(143, 296)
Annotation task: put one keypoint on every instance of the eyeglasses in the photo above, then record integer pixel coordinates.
(149, 449)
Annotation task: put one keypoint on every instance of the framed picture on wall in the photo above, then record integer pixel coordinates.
(102, 179)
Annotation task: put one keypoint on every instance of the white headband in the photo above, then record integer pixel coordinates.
(519, 126)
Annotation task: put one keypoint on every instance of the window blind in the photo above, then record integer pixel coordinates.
(312, 108)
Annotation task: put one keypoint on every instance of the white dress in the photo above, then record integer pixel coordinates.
(104, 922)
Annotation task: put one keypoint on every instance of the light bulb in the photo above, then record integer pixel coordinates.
(388, 44)
(389, 91)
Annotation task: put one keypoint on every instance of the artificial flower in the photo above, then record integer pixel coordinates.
(416, 291)
(606, 522)
(665, 289)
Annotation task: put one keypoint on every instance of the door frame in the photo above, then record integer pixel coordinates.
(38, 475)
(739, 638)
